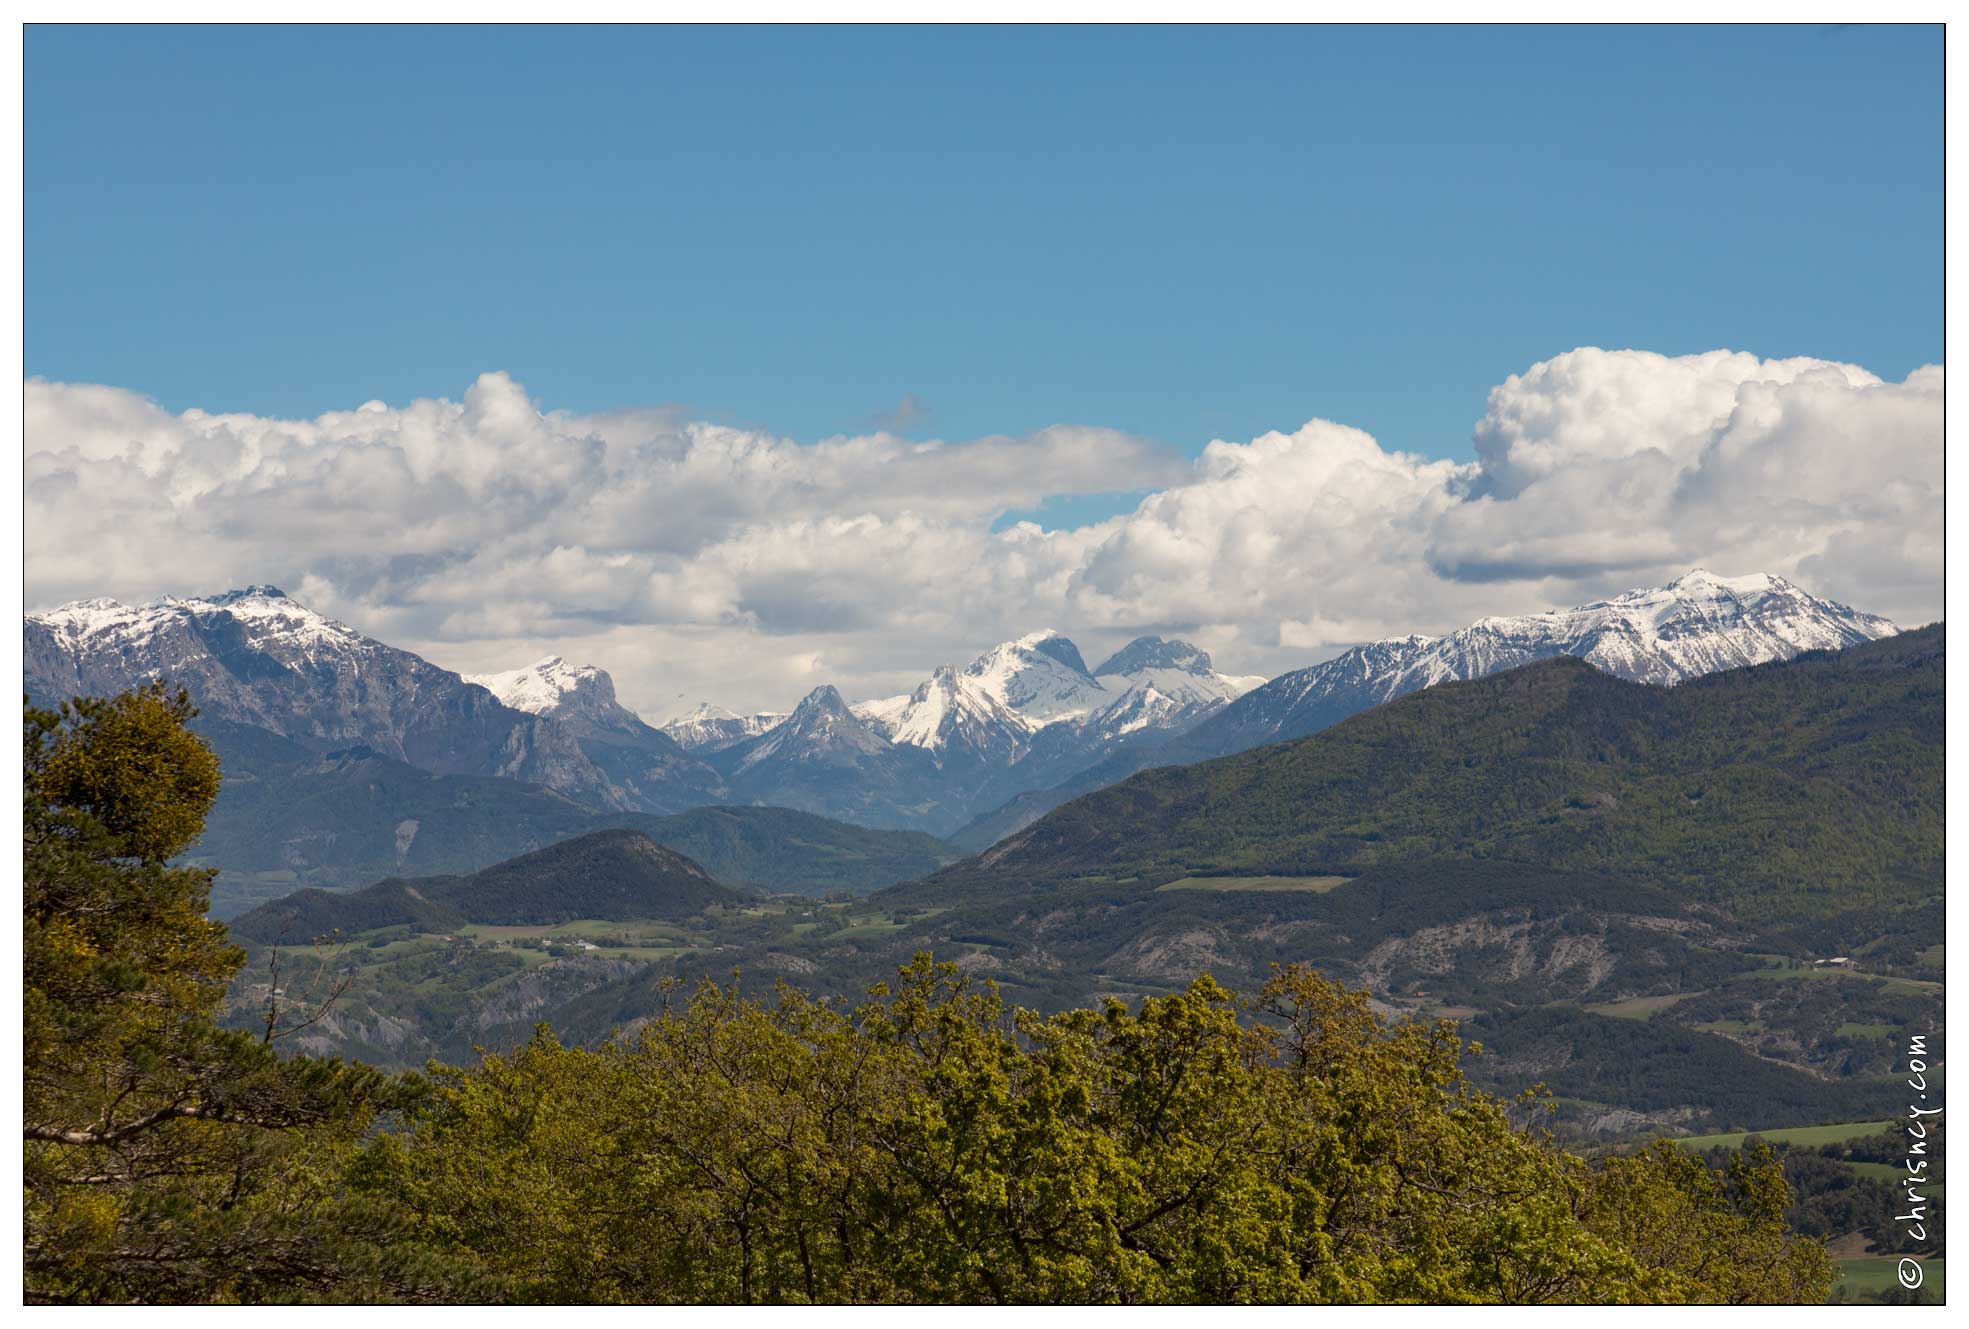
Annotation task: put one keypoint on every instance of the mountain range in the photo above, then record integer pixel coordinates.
(347, 759)
(257, 658)
(1025, 714)
(1695, 625)
(709, 727)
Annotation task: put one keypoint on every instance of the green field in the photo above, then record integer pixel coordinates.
(1807, 1137)
(1316, 884)
(1729, 1026)
(875, 927)
(1639, 1008)
(1853, 1030)
(1791, 971)
(1871, 1275)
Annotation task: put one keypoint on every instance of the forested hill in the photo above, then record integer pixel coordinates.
(610, 874)
(1788, 790)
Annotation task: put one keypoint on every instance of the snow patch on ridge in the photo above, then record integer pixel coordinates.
(541, 687)
(265, 611)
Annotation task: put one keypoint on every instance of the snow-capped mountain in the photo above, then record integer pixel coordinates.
(711, 728)
(821, 728)
(987, 712)
(823, 758)
(645, 761)
(549, 685)
(1163, 685)
(1040, 678)
(1698, 624)
(954, 717)
(1022, 715)
(257, 658)
(990, 711)
(1695, 625)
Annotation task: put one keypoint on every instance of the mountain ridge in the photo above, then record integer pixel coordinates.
(256, 657)
(1695, 625)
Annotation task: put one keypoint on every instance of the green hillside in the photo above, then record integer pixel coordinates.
(779, 849)
(1791, 791)
(609, 874)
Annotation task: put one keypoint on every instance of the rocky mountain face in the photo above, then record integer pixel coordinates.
(1698, 624)
(825, 759)
(259, 659)
(650, 766)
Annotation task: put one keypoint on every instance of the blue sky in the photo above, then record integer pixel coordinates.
(1180, 232)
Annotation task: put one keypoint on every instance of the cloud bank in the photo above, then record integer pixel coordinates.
(695, 560)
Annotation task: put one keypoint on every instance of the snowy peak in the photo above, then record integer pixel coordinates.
(580, 697)
(822, 719)
(1040, 677)
(255, 657)
(993, 710)
(1054, 647)
(547, 686)
(1703, 582)
(987, 711)
(249, 593)
(1146, 653)
(264, 614)
(101, 619)
(949, 714)
(1141, 707)
(822, 705)
(1698, 624)
(706, 711)
(1180, 675)
(820, 729)
(712, 728)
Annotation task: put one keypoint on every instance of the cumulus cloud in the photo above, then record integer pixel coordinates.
(699, 560)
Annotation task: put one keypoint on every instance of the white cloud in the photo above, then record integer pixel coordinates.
(698, 560)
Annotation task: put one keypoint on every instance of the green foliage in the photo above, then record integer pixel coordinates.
(780, 849)
(166, 1159)
(929, 1145)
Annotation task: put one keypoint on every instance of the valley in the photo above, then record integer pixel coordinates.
(1652, 958)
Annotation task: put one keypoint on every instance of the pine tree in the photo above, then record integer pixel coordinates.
(167, 1159)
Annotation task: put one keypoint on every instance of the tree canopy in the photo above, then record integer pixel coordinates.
(167, 1159)
(931, 1146)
